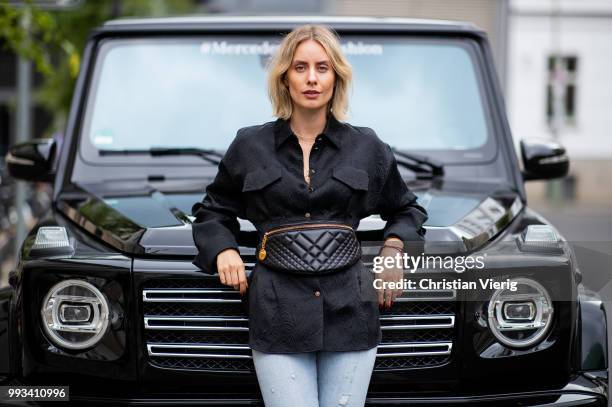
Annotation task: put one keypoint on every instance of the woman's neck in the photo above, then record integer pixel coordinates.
(308, 124)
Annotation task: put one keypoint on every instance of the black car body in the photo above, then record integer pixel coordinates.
(169, 334)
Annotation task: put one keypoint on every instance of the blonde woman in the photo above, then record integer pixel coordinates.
(305, 181)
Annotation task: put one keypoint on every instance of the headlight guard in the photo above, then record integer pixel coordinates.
(75, 314)
(521, 318)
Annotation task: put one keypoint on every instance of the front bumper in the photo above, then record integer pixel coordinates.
(587, 389)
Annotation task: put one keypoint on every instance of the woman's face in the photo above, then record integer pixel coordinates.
(310, 77)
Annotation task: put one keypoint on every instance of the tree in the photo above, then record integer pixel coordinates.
(54, 40)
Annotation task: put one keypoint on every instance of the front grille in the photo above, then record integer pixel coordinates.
(200, 324)
(418, 331)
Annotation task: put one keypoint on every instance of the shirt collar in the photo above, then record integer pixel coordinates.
(332, 131)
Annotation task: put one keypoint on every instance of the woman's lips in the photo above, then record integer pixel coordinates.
(311, 94)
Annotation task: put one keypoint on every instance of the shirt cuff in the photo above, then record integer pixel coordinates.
(209, 247)
(401, 231)
(409, 230)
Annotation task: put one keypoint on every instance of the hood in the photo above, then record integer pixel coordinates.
(140, 219)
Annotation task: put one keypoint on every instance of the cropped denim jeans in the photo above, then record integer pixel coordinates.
(314, 379)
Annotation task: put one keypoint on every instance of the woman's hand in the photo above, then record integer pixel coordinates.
(231, 270)
(394, 274)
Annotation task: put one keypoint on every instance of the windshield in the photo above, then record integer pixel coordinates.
(420, 95)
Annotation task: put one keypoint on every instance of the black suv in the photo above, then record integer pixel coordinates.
(105, 297)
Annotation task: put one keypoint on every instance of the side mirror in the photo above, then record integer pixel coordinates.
(543, 159)
(32, 160)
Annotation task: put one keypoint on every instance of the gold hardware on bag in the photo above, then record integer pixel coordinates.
(262, 252)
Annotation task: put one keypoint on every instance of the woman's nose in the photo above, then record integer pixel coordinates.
(312, 76)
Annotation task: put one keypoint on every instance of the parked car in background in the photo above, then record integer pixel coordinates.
(105, 297)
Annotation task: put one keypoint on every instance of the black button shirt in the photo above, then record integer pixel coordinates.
(261, 178)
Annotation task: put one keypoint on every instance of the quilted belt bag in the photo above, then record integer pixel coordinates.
(310, 248)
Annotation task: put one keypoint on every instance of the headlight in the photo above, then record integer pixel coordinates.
(520, 318)
(74, 314)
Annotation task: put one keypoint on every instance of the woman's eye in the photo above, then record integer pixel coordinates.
(299, 68)
(323, 68)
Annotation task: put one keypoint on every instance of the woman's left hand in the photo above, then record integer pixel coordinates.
(394, 274)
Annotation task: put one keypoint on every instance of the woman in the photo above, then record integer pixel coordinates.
(313, 336)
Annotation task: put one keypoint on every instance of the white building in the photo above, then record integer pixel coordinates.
(579, 33)
(559, 59)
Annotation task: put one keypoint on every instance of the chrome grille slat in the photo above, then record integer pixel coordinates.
(184, 346)
(427, 295)
(447, 351)
(153, 322)
(449, 324)
(188, 295)
(150, 322)
(191, 326)
(151, 350)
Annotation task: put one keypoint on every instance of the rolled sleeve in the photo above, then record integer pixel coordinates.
(398, 206)
(216, 225)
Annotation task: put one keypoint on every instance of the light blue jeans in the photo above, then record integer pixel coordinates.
(314, 379)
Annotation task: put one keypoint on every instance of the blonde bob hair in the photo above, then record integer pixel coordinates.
(278, 92)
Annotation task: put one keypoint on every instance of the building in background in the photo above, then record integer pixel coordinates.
(8, 98)
(490, 15)
(559, 58)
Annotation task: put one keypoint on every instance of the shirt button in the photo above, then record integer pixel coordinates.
(310, 189)
(307, 215)
(317, 293)
(312, 171)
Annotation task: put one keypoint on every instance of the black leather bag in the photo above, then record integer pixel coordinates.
(311, 248)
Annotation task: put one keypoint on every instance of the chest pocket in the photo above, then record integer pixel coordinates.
(261, 178)
(351, 189)
(263, 192)
(355, 178)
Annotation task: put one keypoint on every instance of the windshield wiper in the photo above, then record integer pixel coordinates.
(420, 164)
(212, 156)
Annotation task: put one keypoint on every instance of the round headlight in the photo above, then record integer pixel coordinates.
(520, 318)
(74, 314)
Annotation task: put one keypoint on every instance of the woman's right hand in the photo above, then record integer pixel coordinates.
(231, 270)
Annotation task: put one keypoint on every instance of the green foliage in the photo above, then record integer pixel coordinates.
(34, 43)
(54, 40)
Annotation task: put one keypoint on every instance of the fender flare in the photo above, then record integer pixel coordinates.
(592, 331)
